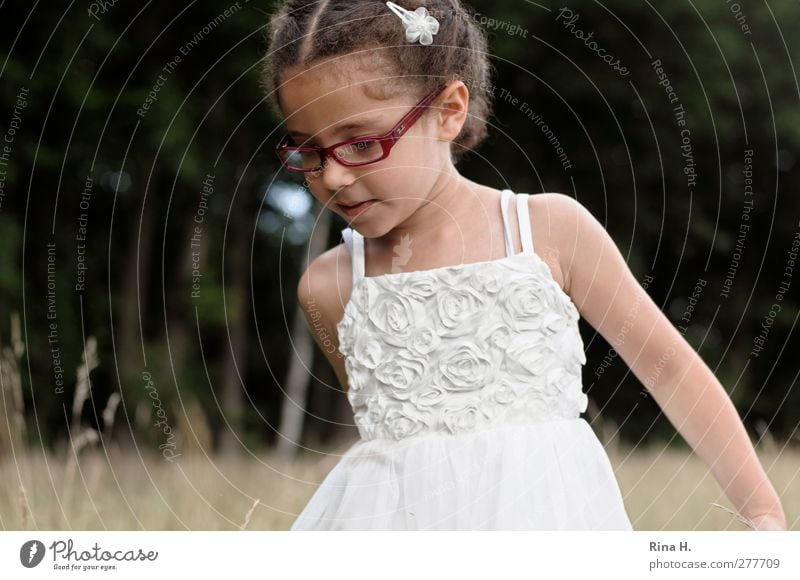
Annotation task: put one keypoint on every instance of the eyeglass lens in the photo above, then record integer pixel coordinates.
(365, 151)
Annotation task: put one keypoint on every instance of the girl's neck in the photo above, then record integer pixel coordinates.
(452, 215)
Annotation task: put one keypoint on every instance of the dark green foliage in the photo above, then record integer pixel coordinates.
(86, 77)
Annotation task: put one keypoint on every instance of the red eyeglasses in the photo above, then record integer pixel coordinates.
(353, 152)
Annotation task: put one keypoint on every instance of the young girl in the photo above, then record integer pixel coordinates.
(455, 305)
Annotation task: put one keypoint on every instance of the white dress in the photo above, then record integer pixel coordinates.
(465, 382)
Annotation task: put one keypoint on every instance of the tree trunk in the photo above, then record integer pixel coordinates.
(179, 306)
(290, 429)
(133, 305)
(235, 357)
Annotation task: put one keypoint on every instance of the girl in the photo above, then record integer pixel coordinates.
(455, 306)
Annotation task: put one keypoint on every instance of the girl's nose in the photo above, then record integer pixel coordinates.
(334, 175)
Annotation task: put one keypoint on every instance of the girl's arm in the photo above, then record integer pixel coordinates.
(610, 298)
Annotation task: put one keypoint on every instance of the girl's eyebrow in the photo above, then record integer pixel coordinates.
(360, 124)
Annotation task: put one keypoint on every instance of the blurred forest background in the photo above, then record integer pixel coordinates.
(150, 246)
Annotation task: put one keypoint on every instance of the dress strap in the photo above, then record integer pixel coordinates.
(504, 196)
(355, 244)
(523, 215)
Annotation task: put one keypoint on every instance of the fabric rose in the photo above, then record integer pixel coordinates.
(529, 305)
(569, 345)
(502, 393)
(569, 308)
(566, 390)
(344, 330)
(401, 422)
(369, 418)
(530, 356)
(558, 381)
(367, 350)
(357, 374)
(465, 368)
(498, 336)
(402, 373)
(395, 316)
(456, 305)
(421, 285)
(488, 279)
(428, 397)
(424, 340)
(466, 416)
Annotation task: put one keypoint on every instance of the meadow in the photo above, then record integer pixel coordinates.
(663, 489)
(96, 482)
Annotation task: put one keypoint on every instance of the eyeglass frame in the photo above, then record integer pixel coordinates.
(387, 140)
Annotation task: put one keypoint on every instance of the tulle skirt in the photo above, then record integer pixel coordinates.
(552, 475)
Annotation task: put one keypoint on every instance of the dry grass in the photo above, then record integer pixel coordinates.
(92, 485)
(125, 491)
(673, 490)
(663, 491)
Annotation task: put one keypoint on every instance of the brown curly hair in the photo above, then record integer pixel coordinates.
(301, 32)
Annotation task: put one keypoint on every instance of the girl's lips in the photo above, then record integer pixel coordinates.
(354, 210)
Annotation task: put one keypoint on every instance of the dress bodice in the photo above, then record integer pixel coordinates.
(460, 348)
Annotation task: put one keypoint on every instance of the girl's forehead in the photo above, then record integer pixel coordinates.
(309, 107)
(312, 105)
(347, 82)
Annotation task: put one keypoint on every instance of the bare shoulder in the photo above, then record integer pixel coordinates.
(327, 282)
(572, 234)
(555, 220)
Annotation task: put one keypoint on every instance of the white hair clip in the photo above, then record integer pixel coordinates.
(419, 24)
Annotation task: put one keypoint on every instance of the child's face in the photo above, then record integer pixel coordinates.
(318, 102)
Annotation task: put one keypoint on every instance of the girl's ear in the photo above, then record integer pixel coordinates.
(451, 107)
